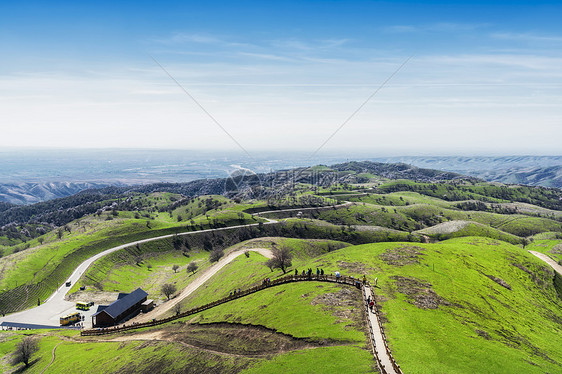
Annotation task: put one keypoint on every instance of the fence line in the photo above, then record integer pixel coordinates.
(287, 279)
(350, 281)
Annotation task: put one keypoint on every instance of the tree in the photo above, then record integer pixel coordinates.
(281, 259)
(24, 349)
(216, 255)
(247, 254)
(41, 239)
(177, 242)
(168, 289)
(175, 268)
(192, 267)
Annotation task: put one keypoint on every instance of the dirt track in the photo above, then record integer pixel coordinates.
(199, 281)
(557, 268)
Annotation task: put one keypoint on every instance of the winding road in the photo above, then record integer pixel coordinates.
(55, 306)
(49, 312)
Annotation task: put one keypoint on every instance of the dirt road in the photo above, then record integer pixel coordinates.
(557, 268)
(198, 282)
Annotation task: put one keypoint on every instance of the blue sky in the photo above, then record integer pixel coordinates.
(483, 78)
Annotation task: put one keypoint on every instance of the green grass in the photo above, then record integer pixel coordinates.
(318, 360)
(119, 272)
(289, 309)
(494, 193)
(35, 273)
(286, 308)
(120, 357)
(446, 339)
(398, 199)
(300, 248)
(466, 228)
(421, 215)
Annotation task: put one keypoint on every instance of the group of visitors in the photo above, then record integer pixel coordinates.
(308, 273)
(235, 292)
(266, 281)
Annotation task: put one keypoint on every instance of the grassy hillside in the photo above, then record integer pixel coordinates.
(456, 229)
(36, 272)
(473, 300)
(462, 305)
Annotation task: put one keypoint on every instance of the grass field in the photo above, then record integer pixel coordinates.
(456, 229)
(471, 302)
(445, 305)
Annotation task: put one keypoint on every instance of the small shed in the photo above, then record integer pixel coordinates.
(126, 306)
(147, 305)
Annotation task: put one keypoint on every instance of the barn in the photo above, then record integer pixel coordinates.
(127, 305)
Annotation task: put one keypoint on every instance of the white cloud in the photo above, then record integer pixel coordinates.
(434, 27)
(290, 103)
(528, 37)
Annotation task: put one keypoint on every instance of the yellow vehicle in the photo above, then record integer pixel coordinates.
(70, 319)
(82, 306)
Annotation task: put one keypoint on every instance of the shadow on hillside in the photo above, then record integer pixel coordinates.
(22, 369)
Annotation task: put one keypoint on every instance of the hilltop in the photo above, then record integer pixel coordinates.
(457, 288)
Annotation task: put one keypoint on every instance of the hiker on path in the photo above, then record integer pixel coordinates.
(371, 304)
(337, 276)
(364, 279)
(296, 272)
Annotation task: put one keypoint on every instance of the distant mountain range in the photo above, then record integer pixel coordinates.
(46, 176)
(29, 193)
(543, 171)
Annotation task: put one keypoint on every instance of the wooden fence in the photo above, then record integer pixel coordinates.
(350, 281)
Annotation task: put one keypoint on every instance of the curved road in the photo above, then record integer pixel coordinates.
(55, 306)
(195, 284)
(557, 268)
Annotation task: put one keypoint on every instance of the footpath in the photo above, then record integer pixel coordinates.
(381, 353)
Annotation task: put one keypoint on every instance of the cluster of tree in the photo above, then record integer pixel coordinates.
(550, 198)
(396, 171)
(472, 205)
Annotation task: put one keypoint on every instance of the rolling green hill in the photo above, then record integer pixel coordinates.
(457, 288)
